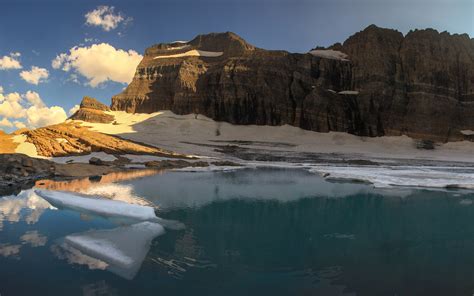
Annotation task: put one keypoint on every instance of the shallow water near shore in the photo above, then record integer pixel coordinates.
(247, 232)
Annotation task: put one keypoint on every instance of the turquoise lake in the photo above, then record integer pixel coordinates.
(247, 232)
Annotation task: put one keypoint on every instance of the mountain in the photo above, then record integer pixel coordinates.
(378, 82)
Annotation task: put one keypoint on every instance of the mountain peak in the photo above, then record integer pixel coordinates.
(227, 42)
(92, 103)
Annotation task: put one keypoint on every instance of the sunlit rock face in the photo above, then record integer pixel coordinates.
(92, 110)
(378, 82)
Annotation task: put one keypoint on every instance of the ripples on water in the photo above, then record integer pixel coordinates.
(248, 232)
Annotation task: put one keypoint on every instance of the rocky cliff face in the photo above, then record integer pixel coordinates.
(92, 110)
(378, 82)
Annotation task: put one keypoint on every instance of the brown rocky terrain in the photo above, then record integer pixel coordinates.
(71, 138)
(380, 83)
(19, 171)
(92, 110)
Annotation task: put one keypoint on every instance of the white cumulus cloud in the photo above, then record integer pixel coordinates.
(28, 110)
(35, 76)
(10, 61)
(33, 98)
(43, 116)
(10, 105)
(19, 124)
(73, 110)
(5, 123)
(99, 63)
(105, 17)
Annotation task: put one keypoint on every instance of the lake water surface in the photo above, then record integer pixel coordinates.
(247, 232)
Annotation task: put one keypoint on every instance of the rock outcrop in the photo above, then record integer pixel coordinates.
(378, 82)
(92, 110)
(71, 138)
(18, 171)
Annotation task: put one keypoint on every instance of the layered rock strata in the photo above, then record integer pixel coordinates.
(71, 138)
(378, 82)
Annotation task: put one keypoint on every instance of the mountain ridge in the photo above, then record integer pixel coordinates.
(420, 84)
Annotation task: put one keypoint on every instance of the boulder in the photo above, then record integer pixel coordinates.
(96, 161)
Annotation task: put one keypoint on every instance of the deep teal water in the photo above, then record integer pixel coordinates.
(255, 232)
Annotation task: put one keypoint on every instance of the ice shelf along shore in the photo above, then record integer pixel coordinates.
(408, 176)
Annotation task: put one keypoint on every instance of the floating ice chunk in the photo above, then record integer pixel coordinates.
(105, 207)
(329, 54)
(123, 249)
(192, 53)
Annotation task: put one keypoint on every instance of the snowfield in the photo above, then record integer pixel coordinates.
(329, 54)
(192, 53)
(25, 147)
(198, 136)
(348, 92)
(189, 135)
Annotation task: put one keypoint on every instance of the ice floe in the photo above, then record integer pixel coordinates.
(120, 250)
(113, 209)
(102, 207)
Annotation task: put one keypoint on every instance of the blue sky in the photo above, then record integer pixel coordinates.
(42, 30)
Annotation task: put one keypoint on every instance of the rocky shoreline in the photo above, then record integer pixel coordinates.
(19, 171)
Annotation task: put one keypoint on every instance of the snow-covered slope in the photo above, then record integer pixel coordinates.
(181, 133)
